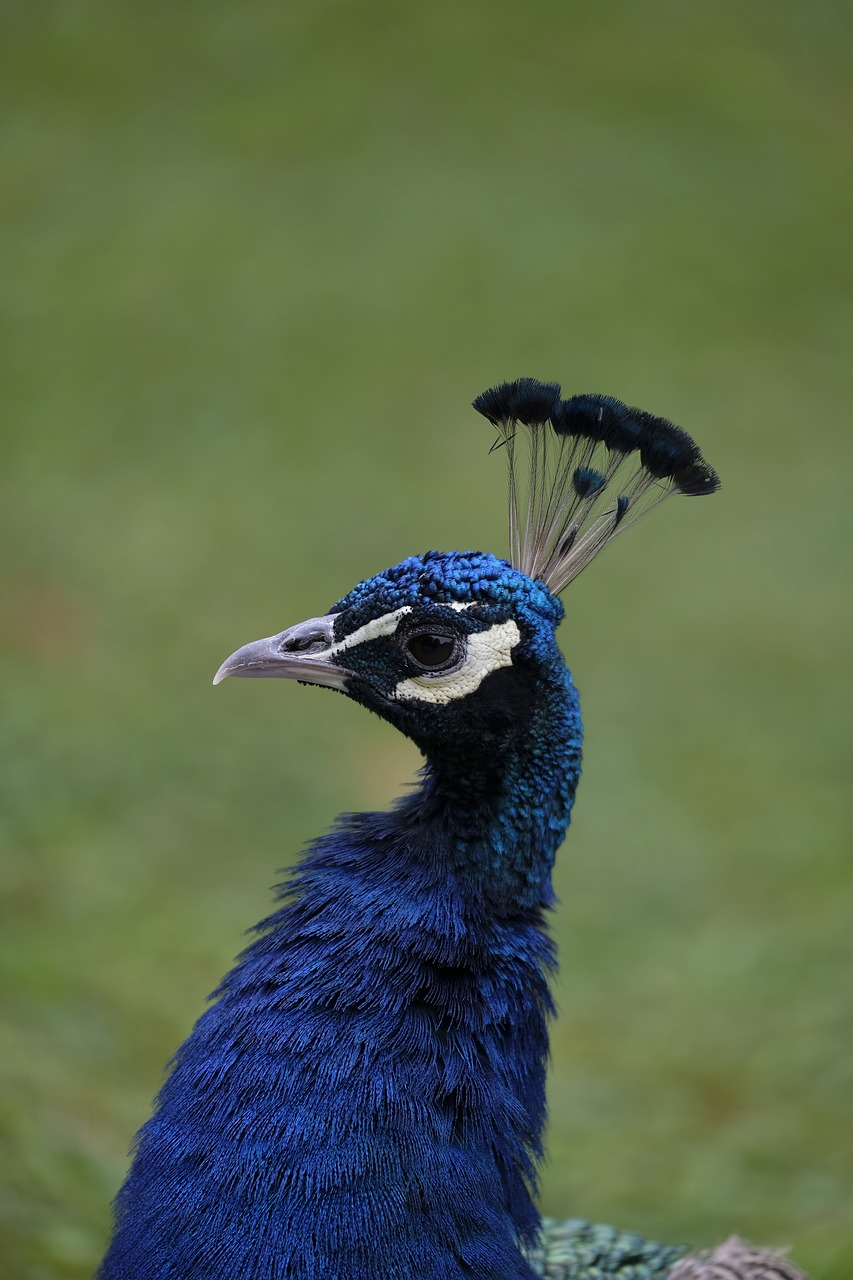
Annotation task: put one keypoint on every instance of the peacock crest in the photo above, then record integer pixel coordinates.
(582, 471)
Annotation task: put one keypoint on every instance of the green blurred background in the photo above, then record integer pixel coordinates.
(257, 259)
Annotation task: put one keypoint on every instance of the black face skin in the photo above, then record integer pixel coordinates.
(500, 704)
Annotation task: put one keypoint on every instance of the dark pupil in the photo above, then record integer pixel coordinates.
(430, 650)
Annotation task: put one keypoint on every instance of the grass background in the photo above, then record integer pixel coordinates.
(257, 259)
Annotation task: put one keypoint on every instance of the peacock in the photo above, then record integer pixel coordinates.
(365, 1095)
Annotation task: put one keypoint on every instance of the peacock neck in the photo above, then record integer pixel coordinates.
(366, 1095)
(503, 803)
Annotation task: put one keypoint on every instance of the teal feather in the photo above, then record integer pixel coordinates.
(580, 1250)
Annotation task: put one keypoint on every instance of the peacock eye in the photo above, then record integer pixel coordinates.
(432, 650)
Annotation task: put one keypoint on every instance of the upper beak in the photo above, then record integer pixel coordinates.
(302, 653)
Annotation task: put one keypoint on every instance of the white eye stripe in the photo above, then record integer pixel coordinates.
(373, 630)
(487, 651)
(384, 626)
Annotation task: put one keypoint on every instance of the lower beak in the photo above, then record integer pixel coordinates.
(301, 653)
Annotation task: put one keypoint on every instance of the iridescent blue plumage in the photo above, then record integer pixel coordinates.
(365, 1097)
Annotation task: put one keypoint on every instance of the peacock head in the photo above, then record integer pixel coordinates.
(448, 646)
(460, 648)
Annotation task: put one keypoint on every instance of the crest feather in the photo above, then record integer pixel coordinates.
(589, 467)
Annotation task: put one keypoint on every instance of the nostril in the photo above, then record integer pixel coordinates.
(314, 636)
(301, 644)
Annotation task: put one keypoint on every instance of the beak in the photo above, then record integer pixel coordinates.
(301, 653)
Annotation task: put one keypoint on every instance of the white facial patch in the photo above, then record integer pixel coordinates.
(487, 651)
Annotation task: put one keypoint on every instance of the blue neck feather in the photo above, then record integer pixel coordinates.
(365, 1097)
